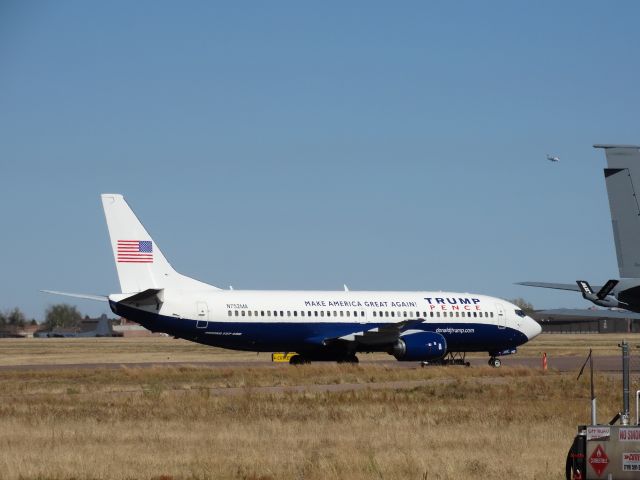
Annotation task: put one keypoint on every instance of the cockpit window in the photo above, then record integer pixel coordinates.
(520, 313)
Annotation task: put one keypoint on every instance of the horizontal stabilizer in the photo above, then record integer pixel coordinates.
(150, 296)
(100, 298)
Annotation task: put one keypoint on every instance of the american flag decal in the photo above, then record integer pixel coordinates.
(135, 251)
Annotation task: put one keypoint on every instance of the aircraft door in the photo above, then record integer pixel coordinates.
(502, 318)
(202, 315)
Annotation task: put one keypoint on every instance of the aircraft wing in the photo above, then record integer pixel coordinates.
(557, 286)
(383, 335)
(573, 314)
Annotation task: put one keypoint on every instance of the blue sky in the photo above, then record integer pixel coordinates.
(289, 145)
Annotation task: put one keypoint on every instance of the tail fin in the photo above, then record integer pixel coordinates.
(140, 263)
(622, 177)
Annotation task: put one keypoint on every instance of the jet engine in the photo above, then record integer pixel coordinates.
(420, 346)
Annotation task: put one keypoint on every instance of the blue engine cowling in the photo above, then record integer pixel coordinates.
(420, 346)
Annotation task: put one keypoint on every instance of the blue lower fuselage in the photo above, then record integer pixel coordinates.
(301, 336)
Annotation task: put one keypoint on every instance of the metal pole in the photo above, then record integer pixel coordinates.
(593, 395)
(625, 382)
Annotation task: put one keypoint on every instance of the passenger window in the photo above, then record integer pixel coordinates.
(355, 314)
(437, 314)
(302, 313)
(249, 313)
(262, 313)
(341, 313)
(393, 314)
(374, 313)
(335, 314)
(243, 313)
(230, 314)
(275, 313)
(322, 313)
(348, 313)
(309, 313)
(404, 314)
(315, 313)
(236, 312)
(362, 314)
(281, 313)
(295, 313)
(255, 313)
(288, 313)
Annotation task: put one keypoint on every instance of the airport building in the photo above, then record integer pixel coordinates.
(570, 321)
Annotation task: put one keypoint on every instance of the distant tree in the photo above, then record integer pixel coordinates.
(33, 322)
(16, 318)
(523, 304)
(62, 315)
(3, 319)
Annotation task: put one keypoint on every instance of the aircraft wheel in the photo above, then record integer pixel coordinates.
(495, 362)
(298, 360)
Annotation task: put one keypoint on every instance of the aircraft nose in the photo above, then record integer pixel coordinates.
(531, 328)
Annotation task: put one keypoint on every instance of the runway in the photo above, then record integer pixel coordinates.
(562, 364)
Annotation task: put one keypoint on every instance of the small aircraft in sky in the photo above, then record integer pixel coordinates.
(552, 158)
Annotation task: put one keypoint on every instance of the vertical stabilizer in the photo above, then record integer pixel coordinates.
(622, 177)
(140, 263)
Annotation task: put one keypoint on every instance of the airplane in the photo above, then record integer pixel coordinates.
(622, 178)
(317, 325)
(552, 158)
(88, 327)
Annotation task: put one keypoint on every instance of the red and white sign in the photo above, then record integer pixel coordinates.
(631, 462)
(599, 460)
(629, 434)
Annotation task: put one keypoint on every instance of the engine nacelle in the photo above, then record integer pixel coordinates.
(420, 346)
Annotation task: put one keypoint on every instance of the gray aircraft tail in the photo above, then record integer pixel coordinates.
(622, 177)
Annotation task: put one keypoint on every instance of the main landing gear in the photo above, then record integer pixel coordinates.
(298, 360)
(495, 362)
(451, 358)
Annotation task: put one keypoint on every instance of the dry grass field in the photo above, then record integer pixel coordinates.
(175, 422)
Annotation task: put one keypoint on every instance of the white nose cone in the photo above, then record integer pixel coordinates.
(531, 328)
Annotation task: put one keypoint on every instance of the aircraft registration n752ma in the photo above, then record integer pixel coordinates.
(317, 325)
